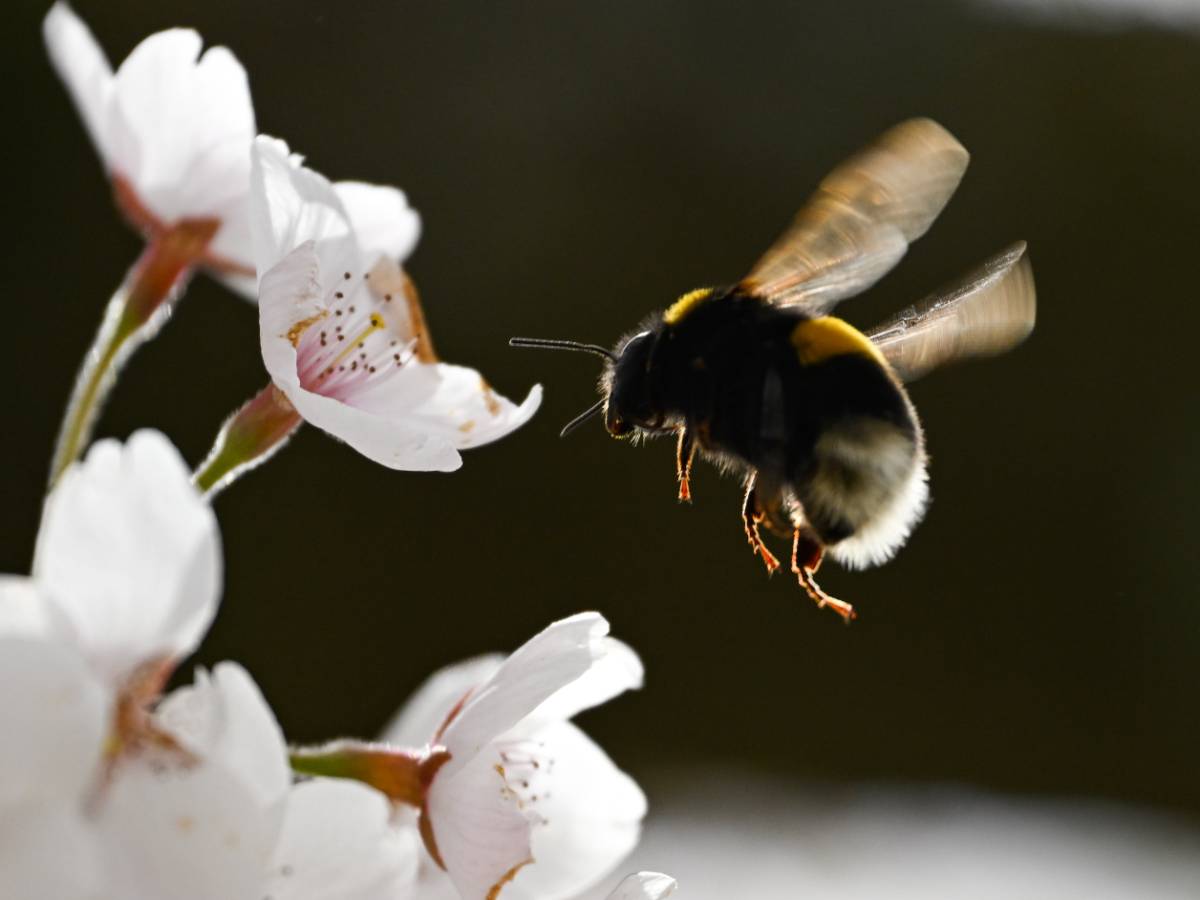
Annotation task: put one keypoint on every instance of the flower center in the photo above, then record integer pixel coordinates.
(353, 345)
(527, 771)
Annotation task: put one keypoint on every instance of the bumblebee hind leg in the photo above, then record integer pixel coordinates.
(807, 553)
(685, 451)
(752, 517)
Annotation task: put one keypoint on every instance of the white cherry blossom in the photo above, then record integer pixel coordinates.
(342, 332)
(128, 559)
(110, 794)
(198, 814)
(172, 127)
(526, 804)
(214, 814)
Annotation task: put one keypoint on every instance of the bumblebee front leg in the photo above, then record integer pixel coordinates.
(685, 452)
(752, 516)
(807, 553)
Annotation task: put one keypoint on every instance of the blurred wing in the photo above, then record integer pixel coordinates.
(987, 312)
(862, 218)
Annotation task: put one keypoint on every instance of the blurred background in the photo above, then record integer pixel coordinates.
(578, 165)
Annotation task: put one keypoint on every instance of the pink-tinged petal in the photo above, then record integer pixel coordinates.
(587, 813)
(23, 611)
(289, 295)
(291, 205)
(224, 719)
(457, 404)
(391, 441)
(482, 835)
(182, 125)
(49, 853)
(382, 219)
(545, 664)
(425, 711)
(173, 832)
(84, 69)
(645, 886)
(128, 555)
(55, 716)
(618, 669)
(339, 843)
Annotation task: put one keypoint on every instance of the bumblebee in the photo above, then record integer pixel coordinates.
(761, 379)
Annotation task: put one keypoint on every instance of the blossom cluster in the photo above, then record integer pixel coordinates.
(191, 794)
(113, 786)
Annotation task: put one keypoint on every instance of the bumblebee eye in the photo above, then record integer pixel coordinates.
(617, 426)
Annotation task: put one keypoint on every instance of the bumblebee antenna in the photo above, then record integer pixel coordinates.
(581, 418)
(594, 349)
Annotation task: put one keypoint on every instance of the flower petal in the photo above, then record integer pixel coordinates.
(618, 669)
(182, 125)
(338, 841)
(390, 440)
(382, 219)
(644, 886)
(55, 716)
(232, 249)
(224, 719)
(288, 293)
(291, 205)
(128, 555)
(586, 821)
(482, 835)
(49, 852)
(425, 711)
(84, 69)
(546, 663)
(457, 404)
(195, 832)
(23, 611)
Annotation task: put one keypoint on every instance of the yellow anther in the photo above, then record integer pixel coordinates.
(376, 324)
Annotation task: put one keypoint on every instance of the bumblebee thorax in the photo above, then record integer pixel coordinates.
(822, 338)
(685, 304)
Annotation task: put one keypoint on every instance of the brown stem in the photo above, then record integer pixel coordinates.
(400, 774)
(133, 316)
(247, 439)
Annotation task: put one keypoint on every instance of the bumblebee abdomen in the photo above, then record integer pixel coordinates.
(858, 467)
(864, 488)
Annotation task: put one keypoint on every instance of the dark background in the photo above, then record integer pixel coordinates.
(577, 165)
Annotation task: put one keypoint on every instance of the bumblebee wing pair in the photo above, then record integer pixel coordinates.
(859, 224)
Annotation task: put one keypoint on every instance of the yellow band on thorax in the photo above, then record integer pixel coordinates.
(819, 339)
(686, 304)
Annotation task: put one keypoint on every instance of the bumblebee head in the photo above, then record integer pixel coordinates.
(626, 387)
(624, 384)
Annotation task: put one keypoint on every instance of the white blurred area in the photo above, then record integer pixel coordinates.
(1182, 14)
(726, 837)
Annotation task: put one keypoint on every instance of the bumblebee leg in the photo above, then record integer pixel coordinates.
(752, 515)
(684, 453)
(807, 553)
